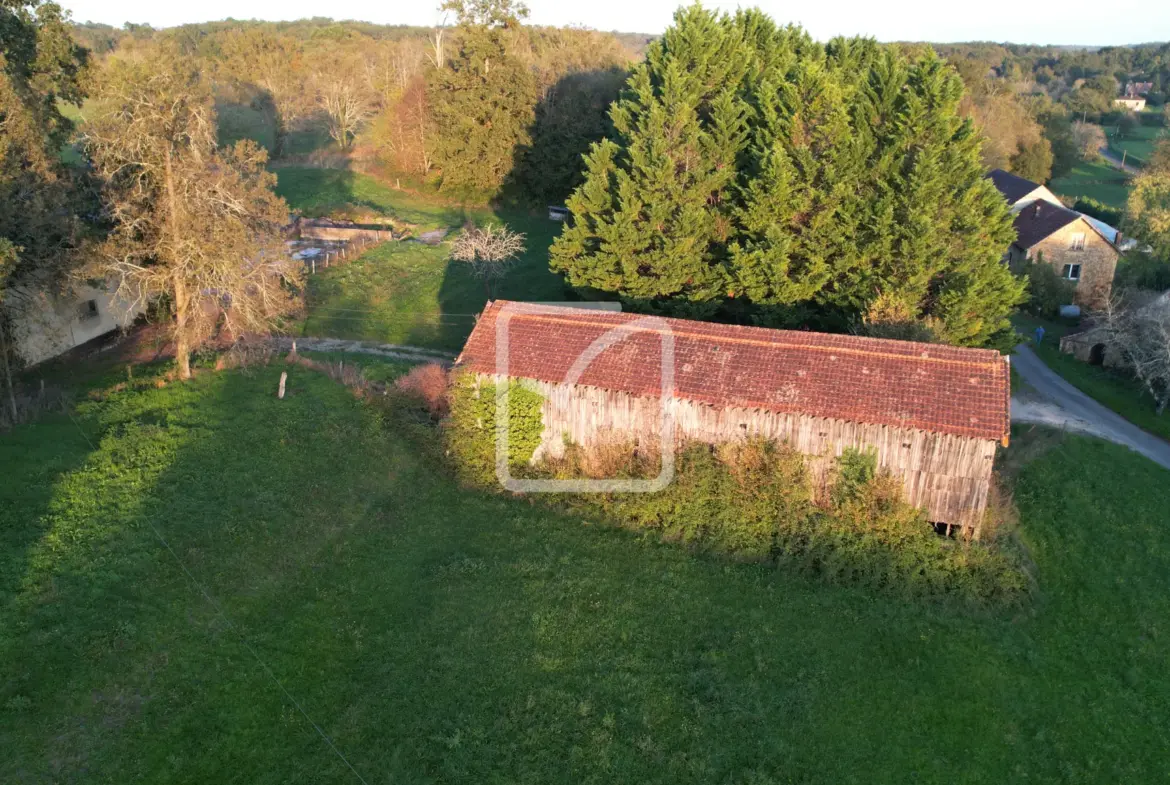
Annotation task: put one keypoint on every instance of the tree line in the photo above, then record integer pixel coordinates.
(1039, 107)
(477, 105)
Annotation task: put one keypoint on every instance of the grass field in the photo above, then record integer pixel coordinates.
(438, 635)
(1139, 145)
(323, 192)
(1095, 180)
(409, 293)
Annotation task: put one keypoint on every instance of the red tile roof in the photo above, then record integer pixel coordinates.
(908, 385)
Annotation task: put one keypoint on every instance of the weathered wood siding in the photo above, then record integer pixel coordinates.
(949, 476)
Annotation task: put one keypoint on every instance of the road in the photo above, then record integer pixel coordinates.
(1115, 162)
(1057, 403)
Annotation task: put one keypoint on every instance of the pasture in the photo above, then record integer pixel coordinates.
(196, 574)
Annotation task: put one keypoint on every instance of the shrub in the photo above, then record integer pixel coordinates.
(1047, 290)
(1098, 210)
(469, 430)
(428, 384)
(753, 500)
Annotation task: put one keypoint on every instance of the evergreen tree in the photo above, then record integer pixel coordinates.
(660, 233)
(756, 172)
(570, 119)
(482, 101)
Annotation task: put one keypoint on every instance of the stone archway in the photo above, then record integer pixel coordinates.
(1097, 354)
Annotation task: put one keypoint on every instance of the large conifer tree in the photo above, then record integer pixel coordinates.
(482, 101)
(754, 170)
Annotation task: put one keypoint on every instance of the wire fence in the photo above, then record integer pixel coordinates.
(349, 251)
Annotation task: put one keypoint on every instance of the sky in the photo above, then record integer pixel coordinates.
(1080, 22)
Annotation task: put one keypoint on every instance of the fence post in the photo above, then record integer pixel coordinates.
(283, 379)
(313, 262)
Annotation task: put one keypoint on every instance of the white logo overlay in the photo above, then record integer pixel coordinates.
(650, 324)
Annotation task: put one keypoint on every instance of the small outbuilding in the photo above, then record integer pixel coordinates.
(933, 414)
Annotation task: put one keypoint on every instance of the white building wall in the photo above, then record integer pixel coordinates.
(50, 325)
(1041, 194)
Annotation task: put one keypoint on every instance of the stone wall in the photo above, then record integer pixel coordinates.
(1098, 261)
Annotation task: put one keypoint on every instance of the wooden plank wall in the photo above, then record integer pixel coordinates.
(949, 476)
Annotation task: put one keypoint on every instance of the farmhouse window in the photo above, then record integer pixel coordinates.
(1077, 243)
(87, 310)
(1071, 272)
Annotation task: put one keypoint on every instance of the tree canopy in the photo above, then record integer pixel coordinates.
(755, 172)
(482, 100)
(192, 222)
(39, 66)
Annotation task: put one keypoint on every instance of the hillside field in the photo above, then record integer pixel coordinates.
(439, 635)
(407, 292)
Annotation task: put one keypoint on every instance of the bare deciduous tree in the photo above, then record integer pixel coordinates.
(191, 222)
(1143, 336)
(490, 250)
(346, 106)
(1089, 139)
(437, 56)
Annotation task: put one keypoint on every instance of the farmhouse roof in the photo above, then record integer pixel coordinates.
(1037, 221)
(1012, 187)
(907, 385)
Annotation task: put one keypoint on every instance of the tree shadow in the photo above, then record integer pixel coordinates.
(462, 296)
(570, 117)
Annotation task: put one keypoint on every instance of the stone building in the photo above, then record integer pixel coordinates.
(1079, 248)
(1075, 248)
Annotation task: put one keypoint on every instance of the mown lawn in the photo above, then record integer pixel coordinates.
(439, 635)
(1095, 180)
(1112, 389)
(406, 292)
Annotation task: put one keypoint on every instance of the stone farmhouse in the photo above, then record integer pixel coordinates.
(933, 414)
(1080, 249)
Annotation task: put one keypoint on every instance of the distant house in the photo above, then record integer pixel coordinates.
(1137, 89)
(1132, 104)
(46, 325)
(932, 414)
(1080, 249)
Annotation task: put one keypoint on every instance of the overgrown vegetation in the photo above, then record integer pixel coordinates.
(1046, 289)
(754, 500)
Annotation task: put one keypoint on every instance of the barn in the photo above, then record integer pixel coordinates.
(933, 414)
